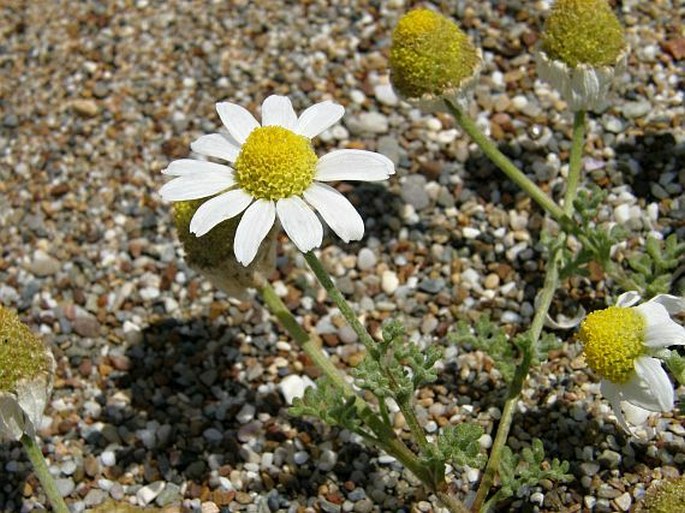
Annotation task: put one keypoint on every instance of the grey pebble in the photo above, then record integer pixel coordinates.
(414, 192)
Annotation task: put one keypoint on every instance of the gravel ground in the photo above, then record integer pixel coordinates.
(169, 394)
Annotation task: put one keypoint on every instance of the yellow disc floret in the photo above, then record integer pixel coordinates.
(612, 340)
(22, 355)
(583, 32)
(429, 55)
(666, 497)
(275, 163)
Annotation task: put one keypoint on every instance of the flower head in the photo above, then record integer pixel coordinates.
(212, 253)
(275, 173)
(665, 497)
(431, 60)
(620, 344)
(26, 370)
(582, 48)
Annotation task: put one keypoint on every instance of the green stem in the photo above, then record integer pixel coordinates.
(386, 435)
(386, 438)
(507, 167)
(413, 424)
(546, 296)
(41, 469)
(516, 384)
(338, 299)
(574, 166)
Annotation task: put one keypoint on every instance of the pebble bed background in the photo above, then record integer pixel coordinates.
(169, 394)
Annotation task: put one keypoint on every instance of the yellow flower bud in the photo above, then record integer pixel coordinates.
(666, 497)
(431, 59)
(26, 373)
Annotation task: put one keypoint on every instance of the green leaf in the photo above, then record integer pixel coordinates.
(528, 469)
(325, 402)
(459, 445)
(491, 339)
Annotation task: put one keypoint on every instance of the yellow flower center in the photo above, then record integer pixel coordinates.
(429, 55)
(583, 31)
(275, 163)
(612, 339)
(22, 355)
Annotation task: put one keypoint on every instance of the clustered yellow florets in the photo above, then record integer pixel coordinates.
(275, 163)
(667, 497)
(612, 339)
(430, 55)
(23, 356)
(583, 32)
(212, 248)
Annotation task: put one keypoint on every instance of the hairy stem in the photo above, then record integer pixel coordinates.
(386, 438)
(507, 167)
(344, 307)
(546, 296)
(41, 469)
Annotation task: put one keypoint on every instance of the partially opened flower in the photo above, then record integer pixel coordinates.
(621, 343)
(583, 47)
(26, 373)
(432, 60)
(274, 173)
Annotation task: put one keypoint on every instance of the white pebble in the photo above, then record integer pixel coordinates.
(148, 493)
(389, 282)
(366, 259)
(293, 386)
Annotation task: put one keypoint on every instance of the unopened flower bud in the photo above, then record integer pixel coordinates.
(212, 254)
(26, 374)
(432, 60)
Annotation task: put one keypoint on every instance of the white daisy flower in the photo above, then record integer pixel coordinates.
(274, 173)
(620, 344)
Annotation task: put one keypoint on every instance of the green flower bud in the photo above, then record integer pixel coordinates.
(666, 497)
(212, 254)
(583, 32)
(26, 371)
(431, 59)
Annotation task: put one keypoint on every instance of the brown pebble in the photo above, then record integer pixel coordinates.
(675, 47)
(59, 190)
(85, 108)
(91, 466)
(243, 498)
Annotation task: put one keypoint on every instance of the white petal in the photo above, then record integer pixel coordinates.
(185, 167)
(338, 213)
(673, 304)
(650, 388)
(661, 330)
(217, 146)
(218, 209)
(361, 165)
(12, 419)
(237, 120)
(634, 414)
(318, 118)
(32, 397)
(300, 223)
(613, 394)
(628, 299)
(198, 186)
(253, 227)
(277, 110)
